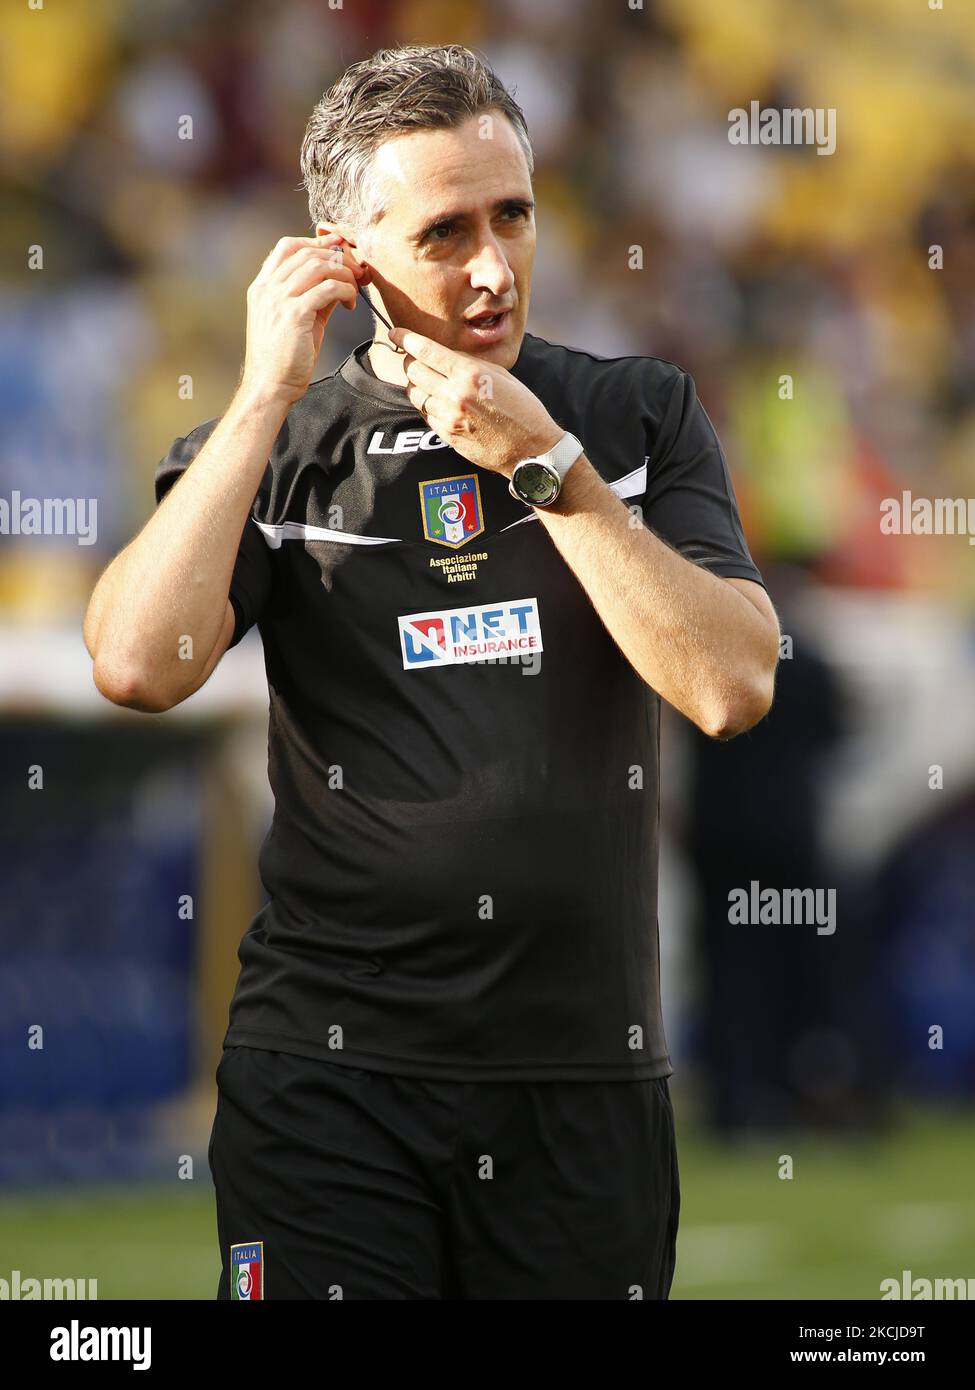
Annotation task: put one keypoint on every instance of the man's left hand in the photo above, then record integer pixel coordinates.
(477, 407)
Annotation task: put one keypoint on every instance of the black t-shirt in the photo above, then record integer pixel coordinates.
(462, 864)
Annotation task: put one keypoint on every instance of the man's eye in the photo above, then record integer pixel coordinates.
(442, 227)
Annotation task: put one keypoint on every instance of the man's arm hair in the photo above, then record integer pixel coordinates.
(160, 618)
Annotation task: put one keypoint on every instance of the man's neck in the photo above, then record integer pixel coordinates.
(386, 362)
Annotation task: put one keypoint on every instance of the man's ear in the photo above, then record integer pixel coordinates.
(326, 228)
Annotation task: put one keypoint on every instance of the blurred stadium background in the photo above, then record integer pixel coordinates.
(757, 262)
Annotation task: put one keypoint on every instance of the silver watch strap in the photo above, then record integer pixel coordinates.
(563, 455)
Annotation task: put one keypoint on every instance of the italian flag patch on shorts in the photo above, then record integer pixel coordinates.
(247, 1271)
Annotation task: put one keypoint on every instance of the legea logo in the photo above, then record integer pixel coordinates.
(405, 442)
(455, 635)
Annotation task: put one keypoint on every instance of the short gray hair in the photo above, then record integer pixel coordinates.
(412, 87)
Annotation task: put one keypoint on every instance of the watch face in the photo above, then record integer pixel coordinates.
(535, 483)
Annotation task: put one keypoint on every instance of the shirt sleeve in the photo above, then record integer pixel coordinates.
(689, 500)
(250, 584)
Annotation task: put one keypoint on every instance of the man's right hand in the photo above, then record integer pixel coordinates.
(288, 305)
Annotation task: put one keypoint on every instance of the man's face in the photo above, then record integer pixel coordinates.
(457, 238)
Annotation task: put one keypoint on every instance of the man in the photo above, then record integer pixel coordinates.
(445, 1073)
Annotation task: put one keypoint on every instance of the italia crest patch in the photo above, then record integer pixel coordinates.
(451, 510)
(247, 1271)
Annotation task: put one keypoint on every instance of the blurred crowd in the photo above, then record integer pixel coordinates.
(825, 306)
(758, 262)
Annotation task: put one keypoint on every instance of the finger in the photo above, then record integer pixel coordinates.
(329, 248)
(444, 426)
(338, 253)
(310, 255)
(420, 397)
(328, 294)
(422, 375)
(441, 359)
(337, 244)
(315, 270)
(441, 415)
(299, 256)
(280, 252)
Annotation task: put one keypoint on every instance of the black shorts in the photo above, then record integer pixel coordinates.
(344, 1183)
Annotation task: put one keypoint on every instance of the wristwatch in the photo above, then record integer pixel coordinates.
(538, 481)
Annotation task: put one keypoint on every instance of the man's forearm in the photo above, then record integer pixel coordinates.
(691, 636)
(172, 581)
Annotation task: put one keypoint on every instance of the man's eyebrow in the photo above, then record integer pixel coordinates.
(515, 201)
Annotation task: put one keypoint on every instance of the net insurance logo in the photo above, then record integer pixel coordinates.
(455, 635)
(247, 1271)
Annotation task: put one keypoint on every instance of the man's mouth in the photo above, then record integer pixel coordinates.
(488, 325)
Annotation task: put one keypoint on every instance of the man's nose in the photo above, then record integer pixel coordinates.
(490, 271)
